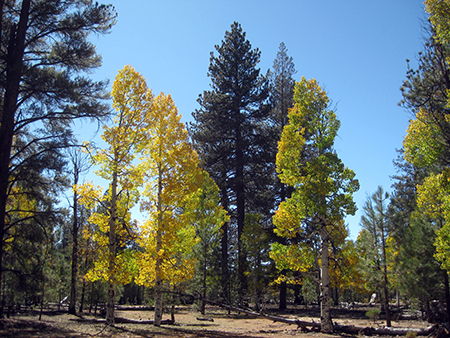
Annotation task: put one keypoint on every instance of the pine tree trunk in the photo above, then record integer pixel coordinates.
(224, 245)
(14, 61)
(325, 309)
(240, 209)
(447, 292)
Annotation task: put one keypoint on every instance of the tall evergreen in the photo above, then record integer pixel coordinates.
(427, 143)
(45, 52)
(373, 237)
(418, 273)
(282, 86)
(228, 131)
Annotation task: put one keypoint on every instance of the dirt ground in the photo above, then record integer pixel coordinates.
(58, 324)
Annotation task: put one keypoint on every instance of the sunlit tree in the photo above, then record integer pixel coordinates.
(322, 185)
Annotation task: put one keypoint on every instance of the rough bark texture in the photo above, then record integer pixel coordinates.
(14, 64)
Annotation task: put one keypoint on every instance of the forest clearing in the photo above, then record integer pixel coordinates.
(216, 323)
(245, 203)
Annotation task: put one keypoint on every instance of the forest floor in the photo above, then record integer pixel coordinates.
(54, 324)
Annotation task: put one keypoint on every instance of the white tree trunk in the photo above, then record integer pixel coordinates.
(325, 313)
(158, 280)
(112, 254)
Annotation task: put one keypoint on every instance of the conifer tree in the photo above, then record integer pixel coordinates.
(427, 142)
(227, 134)
(375, 222)
(45, 52)
(281, 98)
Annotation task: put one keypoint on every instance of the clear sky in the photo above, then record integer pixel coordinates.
(356, 49)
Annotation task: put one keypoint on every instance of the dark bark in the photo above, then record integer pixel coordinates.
(14, 64)
(447, 293)
(224, 248)
(83, 290)
(240, 207)
(283, 294)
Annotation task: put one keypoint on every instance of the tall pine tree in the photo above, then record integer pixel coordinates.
(227, 132)
(282, 86)
(45, 52)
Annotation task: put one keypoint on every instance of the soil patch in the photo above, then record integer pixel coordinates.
(220, 324)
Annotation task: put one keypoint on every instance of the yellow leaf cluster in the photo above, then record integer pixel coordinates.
(422, 141)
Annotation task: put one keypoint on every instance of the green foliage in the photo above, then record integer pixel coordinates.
(232, 139)
(373, 314)
(309, 291)
(46, 57)
(255, 240)
(322, 186)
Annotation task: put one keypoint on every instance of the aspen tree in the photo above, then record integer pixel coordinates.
(132, 101)
(173, 179)
(322, 185)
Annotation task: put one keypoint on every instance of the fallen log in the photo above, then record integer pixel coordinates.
(300, 323)
(389, 331)
(205, 319)
(134, 308)
(121, 320)
(349, 329)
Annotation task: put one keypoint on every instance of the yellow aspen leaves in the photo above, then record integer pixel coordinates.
(422, 141)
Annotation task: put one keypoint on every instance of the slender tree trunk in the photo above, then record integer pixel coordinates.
(203, 304)
(112, 252)
(73, 284)
(224, 244)
(158, 280)
(83, 290)
(283, 294)
(158, 294)
(240, 209)
(325, 309)
(385, 279)
(14, 62)
(447, 292)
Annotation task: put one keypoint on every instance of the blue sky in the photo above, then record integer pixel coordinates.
(356, 49)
